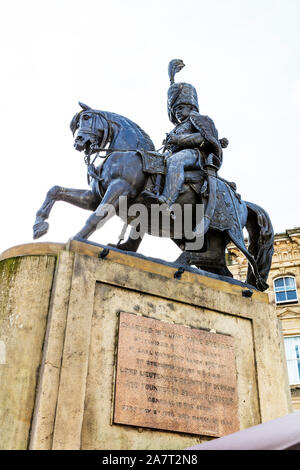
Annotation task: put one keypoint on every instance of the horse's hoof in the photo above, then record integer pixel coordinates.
(184, 259)
(40, 229)
(261, 285)
(121, 246)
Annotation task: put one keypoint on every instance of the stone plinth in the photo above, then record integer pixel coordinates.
(59, 332)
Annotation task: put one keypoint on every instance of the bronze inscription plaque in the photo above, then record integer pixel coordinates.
(175, 378)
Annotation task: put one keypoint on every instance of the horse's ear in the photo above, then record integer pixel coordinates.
(84, 106)
(74, 123)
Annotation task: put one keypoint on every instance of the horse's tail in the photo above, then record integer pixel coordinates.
(261, 240)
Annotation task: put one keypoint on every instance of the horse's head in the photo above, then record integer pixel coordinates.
(92, 130)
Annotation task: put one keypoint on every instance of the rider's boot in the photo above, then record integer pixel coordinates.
(173, 185)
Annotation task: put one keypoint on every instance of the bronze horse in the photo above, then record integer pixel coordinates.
(122, 174)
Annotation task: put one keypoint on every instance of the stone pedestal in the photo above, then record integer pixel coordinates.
(59, 331)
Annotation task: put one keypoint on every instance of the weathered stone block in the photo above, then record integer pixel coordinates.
(60, 308)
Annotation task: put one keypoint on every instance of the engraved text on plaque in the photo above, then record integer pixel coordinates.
(172, 377)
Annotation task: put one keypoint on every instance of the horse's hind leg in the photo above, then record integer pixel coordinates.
(210, 258)
(107, 209)
(82, 198)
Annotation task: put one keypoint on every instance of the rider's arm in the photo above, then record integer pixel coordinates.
(190, 140)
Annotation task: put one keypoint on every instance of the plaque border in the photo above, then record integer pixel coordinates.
(164, 429)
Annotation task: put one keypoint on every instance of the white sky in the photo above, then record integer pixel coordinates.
(241, 55)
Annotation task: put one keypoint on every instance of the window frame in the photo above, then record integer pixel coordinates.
(280, 302)
(295, 359)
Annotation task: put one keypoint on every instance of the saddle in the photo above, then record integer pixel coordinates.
(226, 195)
(154, 164)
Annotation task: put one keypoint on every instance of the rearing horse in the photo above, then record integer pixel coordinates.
(122, 174)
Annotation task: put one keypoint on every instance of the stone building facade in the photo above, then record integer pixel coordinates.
(284, 293)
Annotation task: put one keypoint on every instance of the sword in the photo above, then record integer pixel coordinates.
(157, 185)
(211, 170)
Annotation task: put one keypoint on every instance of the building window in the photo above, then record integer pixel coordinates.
(285, 290)
(292, 351)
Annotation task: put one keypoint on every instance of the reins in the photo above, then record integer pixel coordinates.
(91, 169)
(92, 130)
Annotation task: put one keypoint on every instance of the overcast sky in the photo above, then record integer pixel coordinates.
(241, 55)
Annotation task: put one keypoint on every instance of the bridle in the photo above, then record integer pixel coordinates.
(91, 129)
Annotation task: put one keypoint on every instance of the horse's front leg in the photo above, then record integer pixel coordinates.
(82, 198)
(108, 207)
(133, 241)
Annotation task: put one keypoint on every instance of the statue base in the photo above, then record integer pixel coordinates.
(101, 349)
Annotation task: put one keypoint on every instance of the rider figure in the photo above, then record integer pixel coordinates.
(191, 141)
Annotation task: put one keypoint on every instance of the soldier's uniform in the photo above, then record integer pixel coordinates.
(192, 151)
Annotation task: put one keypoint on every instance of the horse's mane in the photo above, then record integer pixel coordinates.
(133, 124)
(144, 134)
(116, 118)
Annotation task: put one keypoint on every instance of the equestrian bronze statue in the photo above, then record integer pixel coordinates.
(184, 174)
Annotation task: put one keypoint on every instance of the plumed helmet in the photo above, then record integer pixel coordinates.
(179, 93)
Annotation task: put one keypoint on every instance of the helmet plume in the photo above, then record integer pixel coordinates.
(175, 66)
